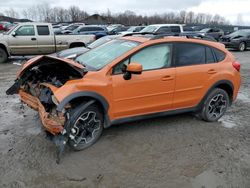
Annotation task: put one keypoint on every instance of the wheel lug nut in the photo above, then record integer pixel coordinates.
(73, 130)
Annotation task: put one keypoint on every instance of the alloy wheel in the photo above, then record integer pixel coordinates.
(85, 128)
(217, 106)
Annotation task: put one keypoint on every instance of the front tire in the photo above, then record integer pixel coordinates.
(3, 56)
(215, 105)
(86, 126)
(242, 46)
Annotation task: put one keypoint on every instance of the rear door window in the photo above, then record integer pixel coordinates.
(43, 30)
(189, 54)
(175, 29)
(164, 29)
(98, 29)
(220, 56)
(209, 55)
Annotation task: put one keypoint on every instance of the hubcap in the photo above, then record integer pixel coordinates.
(85, 128)
(217, 106)
(242, 46)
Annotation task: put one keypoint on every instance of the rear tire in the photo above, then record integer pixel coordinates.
(242, 46)
(3, 56)
(215, 105)
(86, 127)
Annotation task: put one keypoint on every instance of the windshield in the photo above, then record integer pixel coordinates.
(149, 29)
(205, 30)
(102, 55)
(240, 33)
(99, 42)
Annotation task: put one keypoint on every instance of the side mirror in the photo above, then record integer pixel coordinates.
(132, 68)
(14, 34)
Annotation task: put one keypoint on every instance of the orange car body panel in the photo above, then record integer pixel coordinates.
(54, 124)
(152, 91)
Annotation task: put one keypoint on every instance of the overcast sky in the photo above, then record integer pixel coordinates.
(230, 9)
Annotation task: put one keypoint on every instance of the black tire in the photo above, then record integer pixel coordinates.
(81, 128)
(242, 46)
(3, 56)
(215, 105)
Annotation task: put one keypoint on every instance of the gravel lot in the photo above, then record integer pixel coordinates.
(173, 152)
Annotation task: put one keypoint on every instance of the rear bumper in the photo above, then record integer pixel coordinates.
(52, 123)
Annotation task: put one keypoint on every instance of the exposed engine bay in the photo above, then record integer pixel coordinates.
(36, 83)
(42, 77)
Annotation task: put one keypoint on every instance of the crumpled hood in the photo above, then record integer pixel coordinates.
(35, 61)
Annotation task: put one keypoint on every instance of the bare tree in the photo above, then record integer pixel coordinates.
(240, 19)
(183, 15)
(44, 12)
(11, 13)
(74, 13)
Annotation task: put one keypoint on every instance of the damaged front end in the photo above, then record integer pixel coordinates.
(36, 84)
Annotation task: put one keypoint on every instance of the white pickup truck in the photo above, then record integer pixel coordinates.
(36, 39)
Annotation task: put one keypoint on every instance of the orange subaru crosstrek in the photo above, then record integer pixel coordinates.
(127, 79)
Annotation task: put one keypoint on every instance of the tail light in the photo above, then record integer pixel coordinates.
(236, 65)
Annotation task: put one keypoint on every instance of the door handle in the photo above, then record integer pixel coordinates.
(211, 71)
(33, 38)
(167, 78)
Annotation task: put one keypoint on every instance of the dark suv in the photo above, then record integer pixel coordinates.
(98, 31)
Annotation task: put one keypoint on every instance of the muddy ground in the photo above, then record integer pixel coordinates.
(172, 152)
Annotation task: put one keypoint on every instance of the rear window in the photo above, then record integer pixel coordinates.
(220, 56)
(175, 29)
(43, 30)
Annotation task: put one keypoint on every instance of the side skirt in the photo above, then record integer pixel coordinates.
(154, 115)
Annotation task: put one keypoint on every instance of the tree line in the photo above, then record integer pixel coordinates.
(45, 13)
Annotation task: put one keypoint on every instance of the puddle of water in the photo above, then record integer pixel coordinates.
(228, 123)
(243, 97)
(208, 179)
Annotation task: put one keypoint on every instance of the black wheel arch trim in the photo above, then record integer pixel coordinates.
(91, 94)
(227, 82)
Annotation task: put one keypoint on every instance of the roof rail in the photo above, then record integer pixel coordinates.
(138, 33)
(159, 36)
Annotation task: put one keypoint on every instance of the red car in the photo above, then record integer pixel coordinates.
(1, 27)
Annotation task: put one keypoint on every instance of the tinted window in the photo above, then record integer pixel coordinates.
(26, 30)
(98, 29)
(153, 57)
(83, 29)
(175, 29)
(209, 56)
(43, 30)
(164, 30)
(189, 54)
(220, 56)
